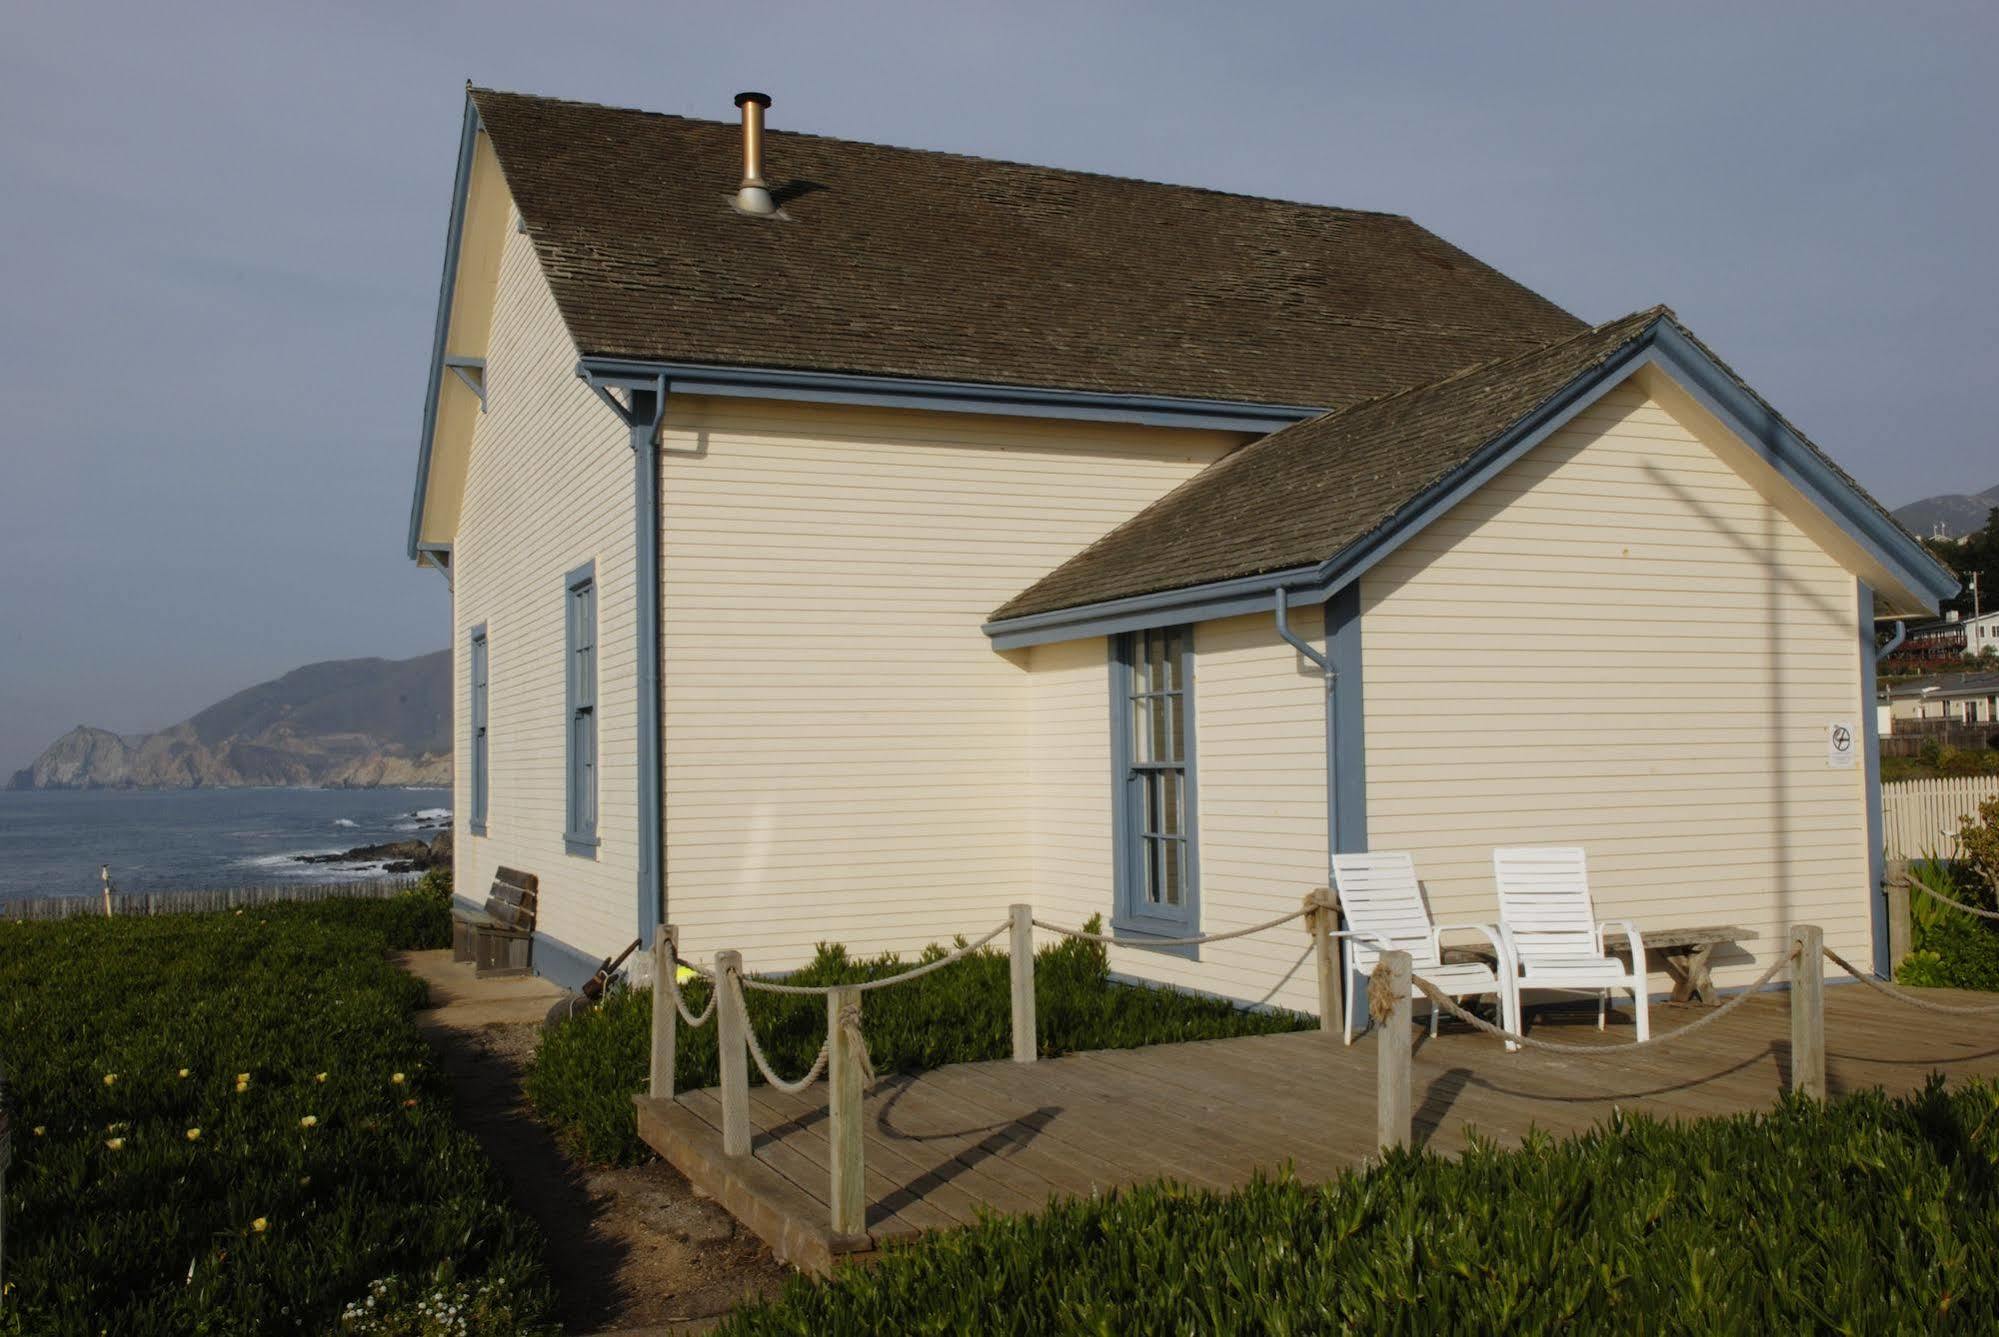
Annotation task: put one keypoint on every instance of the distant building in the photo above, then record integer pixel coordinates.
(1952, 636)
(1959, 698)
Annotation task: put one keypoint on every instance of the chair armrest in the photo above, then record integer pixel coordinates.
(1630, 931)
(1501, 948)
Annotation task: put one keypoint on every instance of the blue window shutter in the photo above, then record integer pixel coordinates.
(580, 692)
(481, 758)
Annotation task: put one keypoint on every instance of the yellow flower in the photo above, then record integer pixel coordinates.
(684, 974)
(396, 1078)
(194, 1135)
(40, 1129)
(111, 1079)
(309, 1121)
(183, 1074)
(319, 1077)
(242, 1079)
(259, 1224)
(115, 1143)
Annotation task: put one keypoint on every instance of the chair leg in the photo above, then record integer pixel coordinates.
(1602, 1007)
(1509, 1013)
(1353, 1005)
(1640, 1008)
(1436, 1014)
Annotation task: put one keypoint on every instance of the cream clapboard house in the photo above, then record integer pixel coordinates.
(958, 533)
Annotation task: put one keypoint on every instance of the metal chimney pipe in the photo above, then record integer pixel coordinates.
(753, 196)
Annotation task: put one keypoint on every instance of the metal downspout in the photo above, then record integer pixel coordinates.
(1282, 608)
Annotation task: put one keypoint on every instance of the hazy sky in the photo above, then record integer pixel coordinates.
(221, 229)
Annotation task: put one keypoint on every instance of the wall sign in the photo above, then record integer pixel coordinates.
(1842, 744)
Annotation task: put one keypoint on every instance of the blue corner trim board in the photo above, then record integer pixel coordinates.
(950, 396)
(1346, 741)
(1660, 344)
(468, 137)
(1870, 734)
(642, 411)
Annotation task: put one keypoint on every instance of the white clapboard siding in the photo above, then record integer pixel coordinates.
(1622, 643)
(548, 488)
(847, 758)
(1920, 818)
(1260, 754)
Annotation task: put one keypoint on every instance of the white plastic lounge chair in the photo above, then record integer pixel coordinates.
(1553, 935)
(1384, 909)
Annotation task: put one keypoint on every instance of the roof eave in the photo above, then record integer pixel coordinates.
(454, 235)
(1660, 343)
(692, 378)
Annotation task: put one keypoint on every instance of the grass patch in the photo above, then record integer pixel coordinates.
(586, 1071)
(1873, 1215)
(279, 1034)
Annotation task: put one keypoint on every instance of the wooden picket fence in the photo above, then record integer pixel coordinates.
(190, 902)
(1919, 818)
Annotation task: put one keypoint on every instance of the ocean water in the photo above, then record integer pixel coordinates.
(52, 842)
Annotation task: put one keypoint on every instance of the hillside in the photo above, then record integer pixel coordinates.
(343, 723)
(1958, 513)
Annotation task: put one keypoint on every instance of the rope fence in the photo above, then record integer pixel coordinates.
(844, 1065)
(1936, 895)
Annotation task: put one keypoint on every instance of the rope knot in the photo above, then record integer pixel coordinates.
(1380, 996)
(850, 1026)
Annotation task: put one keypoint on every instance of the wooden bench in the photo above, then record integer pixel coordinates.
(1683, 951)
(499, 940)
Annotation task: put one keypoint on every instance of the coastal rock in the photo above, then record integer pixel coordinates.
(351, 723)
(395, 856)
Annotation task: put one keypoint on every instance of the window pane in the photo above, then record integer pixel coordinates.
(1151, 870)
(1155, 662)
(1169, 662)
(1172, 804)
(1172, 856)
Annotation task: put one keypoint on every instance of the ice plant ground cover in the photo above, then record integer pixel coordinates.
(1873, 1215)
(586, 1071)
(229, 1123)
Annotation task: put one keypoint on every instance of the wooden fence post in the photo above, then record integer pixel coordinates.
(848, 1199)
(1332, 998)
(665, 1020)
(1900, 926)
(1808, 1011)
(1021, 950)
(735, 1056)
(1391, 1053)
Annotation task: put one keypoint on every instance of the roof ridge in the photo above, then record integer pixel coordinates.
(772, 132)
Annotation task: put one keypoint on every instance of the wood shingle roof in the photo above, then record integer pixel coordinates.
(908, 263)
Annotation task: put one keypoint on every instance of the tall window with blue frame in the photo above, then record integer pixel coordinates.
(580, 637)
(480, 756)
(1157, 851)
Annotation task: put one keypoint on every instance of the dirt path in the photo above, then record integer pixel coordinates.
(630, 1251)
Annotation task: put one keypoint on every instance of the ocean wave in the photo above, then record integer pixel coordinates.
(344, 821)
(432, 814)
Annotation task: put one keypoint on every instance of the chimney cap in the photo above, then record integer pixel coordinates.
(761, 99)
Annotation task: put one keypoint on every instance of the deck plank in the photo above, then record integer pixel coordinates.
(944, 1146)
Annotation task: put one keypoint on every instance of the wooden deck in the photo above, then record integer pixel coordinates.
(1005, 1137)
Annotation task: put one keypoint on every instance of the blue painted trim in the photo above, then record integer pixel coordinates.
(468, 137)
(556, 960)
(1660, 344)
(1346, 741)
(471, 371)
(578, 838)
(479, 648)
(950, 396)
(1877, 852)
(649, 409)
(642, 411)
(1127, 925)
